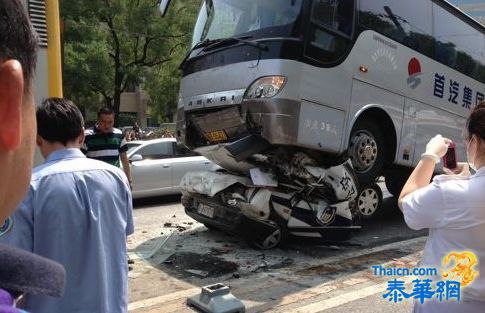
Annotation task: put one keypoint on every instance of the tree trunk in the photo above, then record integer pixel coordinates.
(117, 103)
(117, 92)
(108, 102)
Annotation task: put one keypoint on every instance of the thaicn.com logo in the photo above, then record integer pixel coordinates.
(463, 269)
(414, 71)
(428, 283)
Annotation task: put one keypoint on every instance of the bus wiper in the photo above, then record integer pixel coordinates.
(209, 44)
(229, 40)
(198, 45)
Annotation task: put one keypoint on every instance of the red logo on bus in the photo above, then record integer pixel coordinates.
(414, 71)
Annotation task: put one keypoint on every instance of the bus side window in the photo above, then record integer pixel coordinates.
(324, 40)
(345, 17)
(336, 15)
(331, 29)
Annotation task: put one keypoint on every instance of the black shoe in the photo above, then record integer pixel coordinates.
(130, 261)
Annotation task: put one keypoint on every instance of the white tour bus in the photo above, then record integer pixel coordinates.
(269, 80)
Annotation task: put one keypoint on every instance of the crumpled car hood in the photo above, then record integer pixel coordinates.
(210, 183)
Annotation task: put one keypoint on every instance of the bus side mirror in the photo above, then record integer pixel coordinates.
(164, 4)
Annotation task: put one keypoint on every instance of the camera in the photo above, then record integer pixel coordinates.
(449, 160)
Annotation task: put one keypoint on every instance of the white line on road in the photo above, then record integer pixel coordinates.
(334, 301)
(162, 299)
(344, 298)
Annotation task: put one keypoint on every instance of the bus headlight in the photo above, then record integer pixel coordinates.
(265, 87)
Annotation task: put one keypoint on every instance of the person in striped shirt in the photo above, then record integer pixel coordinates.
(105, 143)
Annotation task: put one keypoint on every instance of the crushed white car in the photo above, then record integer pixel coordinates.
(312, 202)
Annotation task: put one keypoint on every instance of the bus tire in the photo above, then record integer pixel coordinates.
(396, 177)
(367, 150)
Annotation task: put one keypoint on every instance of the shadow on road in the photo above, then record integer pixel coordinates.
(198, 248)
(153, 201)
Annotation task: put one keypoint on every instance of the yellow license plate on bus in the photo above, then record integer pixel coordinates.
(216, 136)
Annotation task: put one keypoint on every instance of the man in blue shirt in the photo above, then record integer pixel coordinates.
(77, 212)
(20, 272)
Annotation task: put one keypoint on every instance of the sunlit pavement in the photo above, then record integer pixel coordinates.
(175, 256)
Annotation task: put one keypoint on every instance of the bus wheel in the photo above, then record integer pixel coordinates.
(396, 177)
(367, 151)
(369, 201)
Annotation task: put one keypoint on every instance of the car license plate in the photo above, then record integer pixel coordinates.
(205, 210)
(216, 136)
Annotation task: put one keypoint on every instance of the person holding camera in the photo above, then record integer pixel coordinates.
(452, 207)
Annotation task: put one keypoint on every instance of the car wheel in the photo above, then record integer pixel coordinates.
(369, 201)
(367, 151)
(276, 238)
(210, 227)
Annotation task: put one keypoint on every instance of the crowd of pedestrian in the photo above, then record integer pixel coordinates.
(63, 225)
(78, 212)
(21, 272)
(132, 134)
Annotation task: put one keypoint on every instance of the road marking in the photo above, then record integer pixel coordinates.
(338, 285)
(321, 289)
(162, 299)
(343, 299)
(335, 259)
(353, 254)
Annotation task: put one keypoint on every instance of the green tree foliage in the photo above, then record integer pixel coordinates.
(110, 44)
(163, 82)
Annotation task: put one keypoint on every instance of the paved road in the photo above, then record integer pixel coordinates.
(175, 256)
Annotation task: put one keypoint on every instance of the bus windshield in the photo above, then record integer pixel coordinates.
(228, 18)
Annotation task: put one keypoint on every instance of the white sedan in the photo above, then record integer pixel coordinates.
(158, 165)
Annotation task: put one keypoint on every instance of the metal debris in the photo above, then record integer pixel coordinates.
(198, 272)
(148, 251)
(263, 264)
